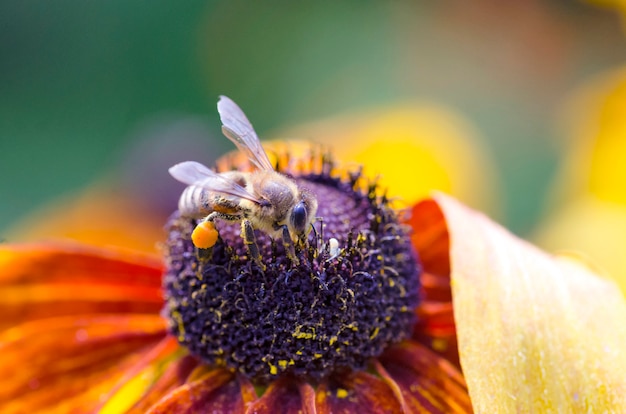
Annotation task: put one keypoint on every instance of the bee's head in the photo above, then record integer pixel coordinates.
(303, 213)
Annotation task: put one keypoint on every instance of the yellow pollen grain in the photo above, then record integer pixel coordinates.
(333, 339)
(282, 363)
(375, 333)
(273, 369)
(303, 335)
(392, 283)
(318, 356)
(354, 327)
(342, 393)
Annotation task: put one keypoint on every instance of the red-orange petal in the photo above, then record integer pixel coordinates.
(216, 392)
(71, 360)
(173, 377)
(430, 238)
(357, 392)
(53, 280)
(428, 383)
(435, 327)
(283, 396)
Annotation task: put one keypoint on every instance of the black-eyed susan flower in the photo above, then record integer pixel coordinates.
(380, 320)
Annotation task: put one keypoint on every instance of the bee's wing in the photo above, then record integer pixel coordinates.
(238, 129)
(194, 173)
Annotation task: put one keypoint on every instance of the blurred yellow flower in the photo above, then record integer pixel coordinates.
(415, 148)
(589, 207)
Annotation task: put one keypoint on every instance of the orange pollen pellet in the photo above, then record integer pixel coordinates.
(204, 236)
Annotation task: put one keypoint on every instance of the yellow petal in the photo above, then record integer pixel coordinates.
(415, 148)
(536, 333)
(592, 226)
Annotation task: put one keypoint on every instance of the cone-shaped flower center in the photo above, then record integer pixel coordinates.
(350, 294)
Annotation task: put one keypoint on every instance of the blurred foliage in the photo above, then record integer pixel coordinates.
(85, 84)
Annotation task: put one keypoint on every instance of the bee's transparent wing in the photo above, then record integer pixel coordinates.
(194, 173)
(238, 129)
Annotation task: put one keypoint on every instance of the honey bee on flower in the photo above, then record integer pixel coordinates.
(264, 199)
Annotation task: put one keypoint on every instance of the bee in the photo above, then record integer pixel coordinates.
(263, 199)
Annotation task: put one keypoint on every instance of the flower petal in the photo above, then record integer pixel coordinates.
(536, 333)
(53, 280)
(356, 392)
(71, 359)
(427, 382)
(435, 327)
(173, 376)
(285, 396)
(592, 226)
(216, 392)
(139, 379)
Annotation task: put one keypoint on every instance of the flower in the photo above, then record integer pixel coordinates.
(83, 329)
(110, 334)
(590, 213)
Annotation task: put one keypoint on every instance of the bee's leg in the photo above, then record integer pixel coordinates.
(289, 248)
(204, 235)
(247, 233)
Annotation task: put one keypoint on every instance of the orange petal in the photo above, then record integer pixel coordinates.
(53, 280)
(357, 392)
(139, 379)
(427, 382)
(173, 377)
(216, 392)
(536, 333)
(71, 359)
(102, 215)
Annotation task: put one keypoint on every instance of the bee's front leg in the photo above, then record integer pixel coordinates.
(247, 233)
(289, 248)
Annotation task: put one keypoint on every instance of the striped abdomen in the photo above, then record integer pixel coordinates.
(197, 202)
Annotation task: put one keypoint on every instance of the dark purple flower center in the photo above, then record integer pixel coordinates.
(333, 311)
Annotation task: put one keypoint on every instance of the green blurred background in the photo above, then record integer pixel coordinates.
(89, 89)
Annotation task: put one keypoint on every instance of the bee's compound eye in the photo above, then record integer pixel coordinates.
(298, 217)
